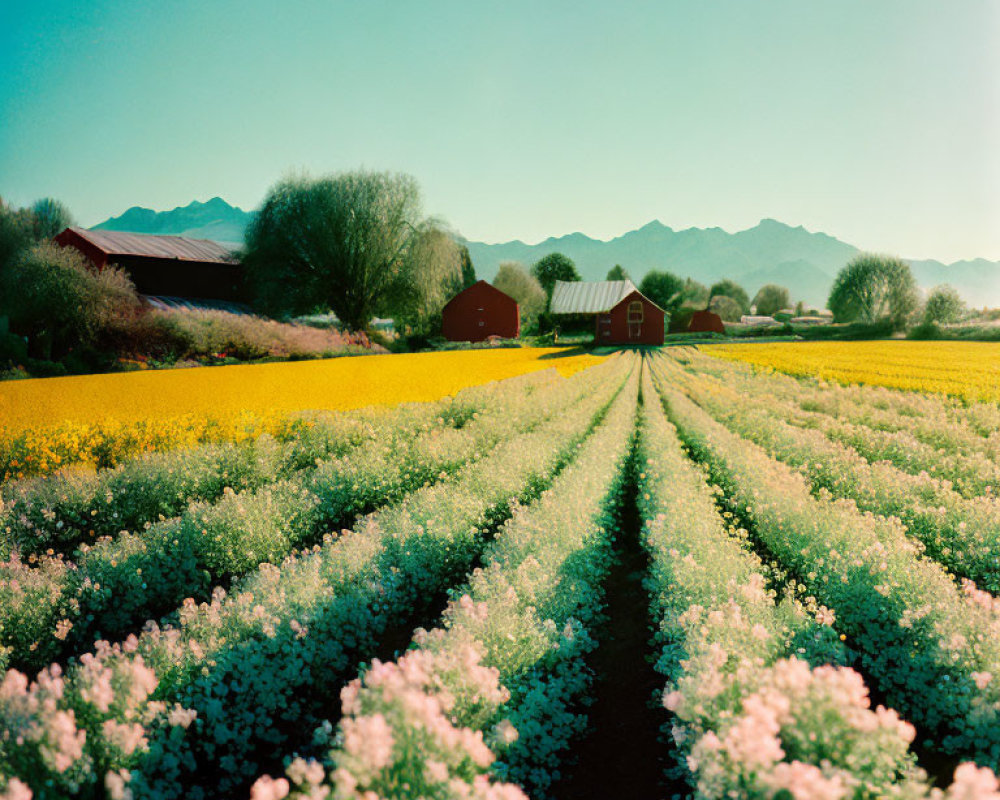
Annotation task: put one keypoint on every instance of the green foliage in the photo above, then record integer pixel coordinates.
(695, 294)
(53, 297)
(680, 320)
(872, 288)
(468, 269)
(49, 218)
(514, 280)
(434, 268)
(551, 268)
(618, 273)
(663, 288)
(726, 307)
(15, 233)
(943, 305)
(732, 290)
(356, 242)
(770, 299)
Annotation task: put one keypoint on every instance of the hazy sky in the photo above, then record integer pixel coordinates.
(877, 121)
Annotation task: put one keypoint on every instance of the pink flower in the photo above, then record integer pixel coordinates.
(268, 788)
(974, 783)
(369, 739)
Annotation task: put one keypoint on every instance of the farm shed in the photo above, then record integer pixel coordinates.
(168, 266)
(622, 314)
(478, 312)
(706, 322)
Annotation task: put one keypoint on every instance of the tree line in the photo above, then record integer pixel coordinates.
(359, 243)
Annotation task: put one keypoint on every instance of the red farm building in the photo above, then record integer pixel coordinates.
(162, 266)
(479, 312)
(622, 314)
(706, 322)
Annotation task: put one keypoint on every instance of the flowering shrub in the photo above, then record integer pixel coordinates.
(504, 668)
(64, 735)
(931, 647)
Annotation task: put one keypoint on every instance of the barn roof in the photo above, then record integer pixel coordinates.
(181, 248)
(588, 297)
(479, 286)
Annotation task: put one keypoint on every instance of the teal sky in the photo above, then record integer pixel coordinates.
(877, 121)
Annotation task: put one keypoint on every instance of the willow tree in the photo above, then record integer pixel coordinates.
(872, 288)
(351, 242)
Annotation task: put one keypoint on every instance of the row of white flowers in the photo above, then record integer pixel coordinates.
(931, 647)
(963, 533)
(78, 504)
(882, 427)
(503, 673)
(941, 421)
(761, 700)
(55, 608)
(250, 667)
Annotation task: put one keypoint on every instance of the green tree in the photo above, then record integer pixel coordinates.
(770, 299)
(943, 305)
(618, 273)
(694, 294)
(514, 280)
(872, 288)
(351, 242)
(551, 268)
(731, 289)
(434, 269)
(468, 270)
(55, 299)
(49, 218)
(726, 307)
(15, 233)
(663, 288)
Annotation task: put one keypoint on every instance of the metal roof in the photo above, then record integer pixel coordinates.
(167, 302)
(181, 248)
(588, 297)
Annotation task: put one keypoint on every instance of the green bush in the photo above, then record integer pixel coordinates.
(57, 301)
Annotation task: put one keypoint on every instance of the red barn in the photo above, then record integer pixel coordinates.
(706, 322)
(478, 312)
(162, 265)
(622, 314)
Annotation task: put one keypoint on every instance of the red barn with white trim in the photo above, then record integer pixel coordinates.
(622, 314)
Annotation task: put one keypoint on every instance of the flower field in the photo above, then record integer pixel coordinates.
(428, 600)
(101, 420)
(969, 370)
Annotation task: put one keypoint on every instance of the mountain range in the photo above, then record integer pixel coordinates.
(215, 220)
(770, 252)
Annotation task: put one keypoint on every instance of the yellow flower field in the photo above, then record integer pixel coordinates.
(970, 370)
(101, 419)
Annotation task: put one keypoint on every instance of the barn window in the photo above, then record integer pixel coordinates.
(635, 319)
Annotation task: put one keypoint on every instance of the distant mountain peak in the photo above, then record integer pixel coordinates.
(213, 219)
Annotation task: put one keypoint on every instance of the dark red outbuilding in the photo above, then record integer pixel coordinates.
(162, 265)
(706, 322)
(635, 319)
(480, 311)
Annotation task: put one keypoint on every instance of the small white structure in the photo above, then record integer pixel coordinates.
(748, 319)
